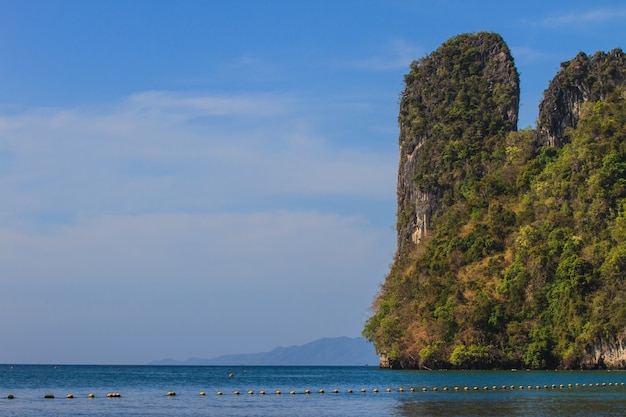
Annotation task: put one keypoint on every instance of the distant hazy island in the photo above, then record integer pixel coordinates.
(338, 351)
(511, 244)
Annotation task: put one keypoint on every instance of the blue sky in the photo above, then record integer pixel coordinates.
(198, 178)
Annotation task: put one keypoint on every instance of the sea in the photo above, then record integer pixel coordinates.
(185, 391)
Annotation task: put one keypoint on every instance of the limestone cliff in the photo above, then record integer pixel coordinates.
(511, 244)
(580, 80)
(455, 99)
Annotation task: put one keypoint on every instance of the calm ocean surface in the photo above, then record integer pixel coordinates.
(144, 391)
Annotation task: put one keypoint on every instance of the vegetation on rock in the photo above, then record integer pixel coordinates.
(523, 260)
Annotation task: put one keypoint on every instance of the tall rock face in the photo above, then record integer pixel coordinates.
(457, 102)
(580, 80)
(511, 244)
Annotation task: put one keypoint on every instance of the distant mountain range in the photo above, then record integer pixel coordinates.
(338, 351)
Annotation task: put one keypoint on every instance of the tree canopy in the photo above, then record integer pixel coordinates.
(525, 262)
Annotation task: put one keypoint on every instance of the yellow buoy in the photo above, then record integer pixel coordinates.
(375, 390)
(91, 395)
(292, 392)
(219, 392)
(236, 392)
(307, 391)
(277, 392)
(261, 392)
(171, 394)
(250, 392)
(70, 396)
(350, 391)
(202, 393)
(321, 391)
(335, 391)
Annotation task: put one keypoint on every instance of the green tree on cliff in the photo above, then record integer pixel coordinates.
(524, 259)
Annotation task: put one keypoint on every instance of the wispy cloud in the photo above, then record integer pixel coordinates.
(525, 55)
(168, 151)
(204, 105)
(124, 278)
(594, 16)
(192, 204)
(397, 54)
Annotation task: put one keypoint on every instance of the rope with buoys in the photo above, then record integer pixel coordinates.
(433, 389)
(468, 388)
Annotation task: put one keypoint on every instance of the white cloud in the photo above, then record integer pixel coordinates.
(396, 55)
(160, 151)
(141, 223)
(188, 248)
(189, 106)
(137, 279)
(526, 56)
(582, 17)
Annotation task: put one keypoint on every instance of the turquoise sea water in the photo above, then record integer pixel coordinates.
(144, 390)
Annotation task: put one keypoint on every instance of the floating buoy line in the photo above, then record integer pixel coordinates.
(465, 388)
